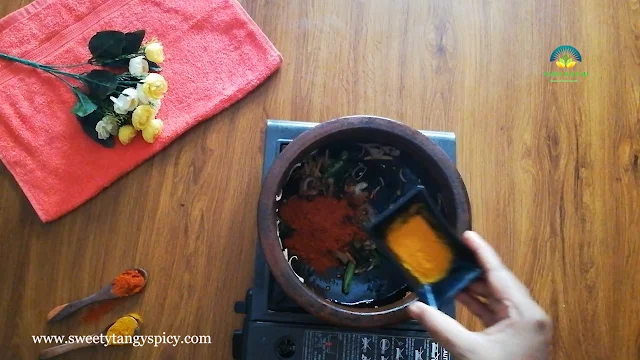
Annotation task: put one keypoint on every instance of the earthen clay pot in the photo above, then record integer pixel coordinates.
(432, 166)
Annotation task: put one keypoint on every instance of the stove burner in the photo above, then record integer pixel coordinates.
(276, 328)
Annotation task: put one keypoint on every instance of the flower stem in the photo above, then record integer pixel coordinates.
(36, 65)
(63, 80)
(72, 75)
(51, 70)
(67, 66)
(21, 61)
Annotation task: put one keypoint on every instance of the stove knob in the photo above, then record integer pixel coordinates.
(236, 347)
(240, 307)
(286, 348)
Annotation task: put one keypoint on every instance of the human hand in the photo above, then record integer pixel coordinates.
(517, 328)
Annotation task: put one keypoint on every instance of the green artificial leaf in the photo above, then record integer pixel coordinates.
(127, 77)
(112, 63)
(107, 44)
(565, 58)
(154, 67)
(84, 106)
(101, 83)
(132, 42)
(88, 124)
(562, 61)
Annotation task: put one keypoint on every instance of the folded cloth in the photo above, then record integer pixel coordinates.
(215, 54)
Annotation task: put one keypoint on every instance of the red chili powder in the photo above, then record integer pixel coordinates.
(322, 226)
(127, 283)
(97, 311)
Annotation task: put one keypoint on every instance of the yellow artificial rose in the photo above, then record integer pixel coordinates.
(154, 52)
(151, 132)
(126, 134)
(136, 316)
(154, 86)
(142, 116)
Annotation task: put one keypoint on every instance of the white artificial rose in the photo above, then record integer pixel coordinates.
(102, 130)
(106, 127)
(111, 123)
(138, 66)
(127, 101)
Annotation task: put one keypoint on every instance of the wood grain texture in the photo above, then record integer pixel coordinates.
(552, 170)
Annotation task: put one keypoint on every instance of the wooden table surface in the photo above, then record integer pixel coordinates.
(552, 170)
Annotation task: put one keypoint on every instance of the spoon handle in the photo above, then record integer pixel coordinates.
(61, 349)
(425, 294)
(64, 310)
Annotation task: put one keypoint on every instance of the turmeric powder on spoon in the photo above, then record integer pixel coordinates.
(419, 241)
(123, 330)
(419, 248)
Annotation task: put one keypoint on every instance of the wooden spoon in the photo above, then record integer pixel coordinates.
(64, 348)
(64, 310)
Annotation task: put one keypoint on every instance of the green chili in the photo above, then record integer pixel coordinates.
(337, 166)
(348, 276)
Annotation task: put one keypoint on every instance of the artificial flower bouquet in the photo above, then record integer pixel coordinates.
(123, 96)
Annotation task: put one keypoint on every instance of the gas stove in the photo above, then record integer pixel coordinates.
(276, 328)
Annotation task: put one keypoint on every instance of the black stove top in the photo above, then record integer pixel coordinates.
(276, 328)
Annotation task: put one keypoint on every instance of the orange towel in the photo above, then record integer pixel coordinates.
(215, 55)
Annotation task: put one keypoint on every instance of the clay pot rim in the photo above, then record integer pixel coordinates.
(299, 148)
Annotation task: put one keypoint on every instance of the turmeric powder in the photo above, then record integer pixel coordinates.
(122, 331)
(419, 248)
